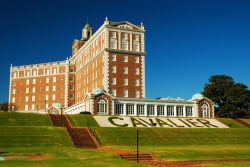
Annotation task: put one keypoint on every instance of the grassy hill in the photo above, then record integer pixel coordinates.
(24, 119)
(82, 120)
(173, 137)
(24, 134)
(31, 134)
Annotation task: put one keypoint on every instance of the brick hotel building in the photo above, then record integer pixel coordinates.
(104, 75)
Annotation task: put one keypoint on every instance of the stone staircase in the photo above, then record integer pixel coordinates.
(141, 157)
(81, 137)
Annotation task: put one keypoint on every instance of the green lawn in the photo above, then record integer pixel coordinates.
(82, 120)
(229, 121)
(22, 136)
(26, 134)
(173, 136)
(24, 119)
(65, 156)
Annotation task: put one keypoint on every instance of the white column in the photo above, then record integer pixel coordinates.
(175, 114)
(130, 42)
(155, 110)
(135, 109)
(145, 110)
(184, 111)
(193, 111)
(119, 40)
(165, 110)
(113, 108)
(125, 109)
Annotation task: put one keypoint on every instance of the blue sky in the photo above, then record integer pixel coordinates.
(187, 41)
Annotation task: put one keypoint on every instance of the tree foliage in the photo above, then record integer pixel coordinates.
(4, 106)
(232, 99)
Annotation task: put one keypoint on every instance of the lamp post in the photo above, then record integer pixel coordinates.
(137, 145)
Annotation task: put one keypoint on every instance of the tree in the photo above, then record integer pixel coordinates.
(4, 106)
(232, 98)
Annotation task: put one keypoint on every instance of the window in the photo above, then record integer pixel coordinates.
(71, 78)
(125, 81)
(137, 82)
(34, 73)
(53, 97)
(113, 34)
(33, 98)
(113, 69)
(119, 109)
(71, 96)
(114, 92)
(14, 91)
(26, 98)
(205, 111)
(71, 70)
(47, 88)
(47, 80)
(13, 100)
(33, 90)
(136, 37)
(71, 87)
(102, 106)
(113, 44)
(47, 71)
(140, 109)
(130, 109)
(14, 75)
(160, 110)
(125, 70)
(170, 110)
(54, 79)
(26, 107)
(137, 71)
(125, 93)
(137, 94)
(113, 81)
(189, 111)
(47, 106)
(54, 71)
(13, 83)
(33, 107)
(125, 41)
(27, 82)
(136, 46)
(34, 81)
(27, 90)
(151, 109)
(113, 57)
(47, 97)
(125, 58)
(54, 88)
(137, 59)
(179, 111)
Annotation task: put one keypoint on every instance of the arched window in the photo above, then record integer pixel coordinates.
(205, 111)
(102, 106)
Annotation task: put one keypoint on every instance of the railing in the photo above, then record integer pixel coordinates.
(93, 132)
(75, 109)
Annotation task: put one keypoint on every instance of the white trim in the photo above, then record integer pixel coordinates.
(66, 84)
(131, 42)
(143, 77)
(106, 72)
